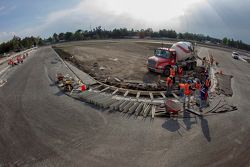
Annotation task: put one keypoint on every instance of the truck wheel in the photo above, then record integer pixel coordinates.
(167, 71)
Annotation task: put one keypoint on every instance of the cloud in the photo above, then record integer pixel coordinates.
(224, 18)
(4, 36)
(85, 15)
(6, 9)
(2, 8)
(210, 17)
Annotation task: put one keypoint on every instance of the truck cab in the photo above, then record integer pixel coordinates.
(162, 60)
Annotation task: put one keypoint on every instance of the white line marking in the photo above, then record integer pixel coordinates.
(242, 59)
(1, 72)
(2, 83)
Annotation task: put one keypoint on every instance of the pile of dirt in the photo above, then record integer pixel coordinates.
(224, 84)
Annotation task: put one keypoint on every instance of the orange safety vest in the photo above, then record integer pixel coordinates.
(169, 81)
(187, 91)
(180, 71)
(182, 86)
(172, 72)
(198, 86)
(208, 83)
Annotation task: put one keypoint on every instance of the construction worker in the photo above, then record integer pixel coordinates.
(197, 88)
(181, 91)
(180, 73)
(11, 62)
(169, 84)
(172, 73)
(187, 92)
(203, 98)
(207, 83)
(159, 80)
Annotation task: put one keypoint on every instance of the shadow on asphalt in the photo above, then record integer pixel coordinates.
(173, 125)
(59, 93)
(52, 85)
(187, 120)
(205, 128)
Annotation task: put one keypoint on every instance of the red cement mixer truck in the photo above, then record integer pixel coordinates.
(180, 54)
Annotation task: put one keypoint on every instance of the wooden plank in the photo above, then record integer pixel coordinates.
(126, 93)
(193, 112)
(139, 109)
(145, 105)
(138, 95)
(116, 107)
(160, 110)
(127, 107)
(146, 111)
(113, 106)
(117, 79)
(151, 95)
(153, 111)
(133, 81)
(121, 107)
(97, 87)
(105, 89)
(106, 105)
(177, 97)
(115, 91)
(163, 95)
(133, 108)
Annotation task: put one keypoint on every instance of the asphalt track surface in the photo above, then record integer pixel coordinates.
(40, 126)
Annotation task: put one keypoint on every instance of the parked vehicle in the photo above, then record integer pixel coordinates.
(235, 55)
(180, 54)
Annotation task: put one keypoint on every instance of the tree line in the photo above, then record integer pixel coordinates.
(99, 33)
(17, 44)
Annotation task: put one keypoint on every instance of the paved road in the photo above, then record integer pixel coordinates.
(40, 126)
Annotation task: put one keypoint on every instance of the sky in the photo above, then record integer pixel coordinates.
(223, 18)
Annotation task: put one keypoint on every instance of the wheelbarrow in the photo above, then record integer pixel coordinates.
(172, 107)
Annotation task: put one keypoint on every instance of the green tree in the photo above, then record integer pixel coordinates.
(55, 38)
(68, 36)
(78, 35)
(61, 36)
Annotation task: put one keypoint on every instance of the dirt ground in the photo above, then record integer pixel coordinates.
(121, 59)
(224, 84)
(112, 61)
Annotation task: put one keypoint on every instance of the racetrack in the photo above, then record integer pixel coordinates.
(40, 126)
